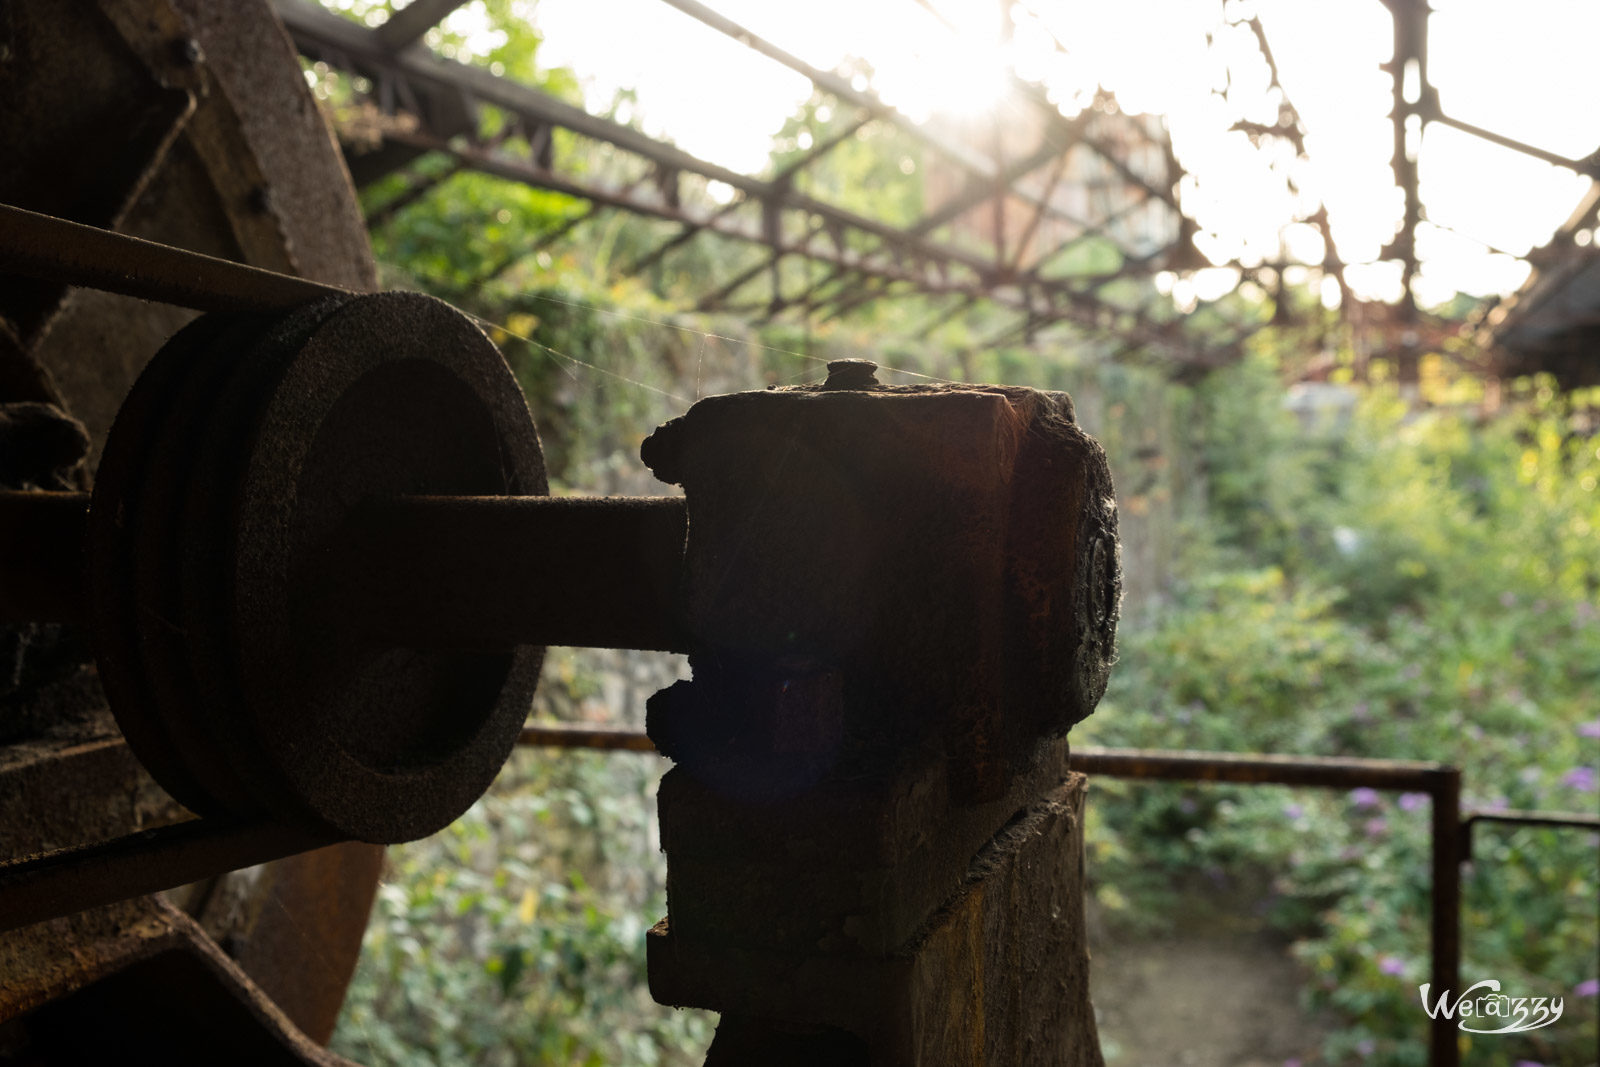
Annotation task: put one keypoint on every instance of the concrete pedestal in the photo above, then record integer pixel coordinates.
(999, 975)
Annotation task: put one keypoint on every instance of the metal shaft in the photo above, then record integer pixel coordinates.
(87, 876)
(431, 572)
(51, 249)
(490, 572)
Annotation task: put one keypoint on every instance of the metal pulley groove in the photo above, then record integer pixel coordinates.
(227, 481)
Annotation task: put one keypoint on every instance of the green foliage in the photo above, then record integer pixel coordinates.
(1412, 585)
(497, 34)
(875, 171)
(499, 941)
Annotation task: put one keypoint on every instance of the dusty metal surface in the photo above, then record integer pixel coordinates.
(249, 174)
(188, 124)
(59, 109)
(487, 573)
(849, 867)
(898, 601)
(948, 995)
(231, 471)
(139, 982)
(70, 253)
(295, 927)
(73, 879)
(77, 785)
(842, 506)
(292, 925)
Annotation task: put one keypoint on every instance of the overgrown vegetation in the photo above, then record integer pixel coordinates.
(517, 935)
(1414, 584)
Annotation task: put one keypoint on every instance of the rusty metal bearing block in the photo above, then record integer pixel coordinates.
(875, 572)
(214, 553)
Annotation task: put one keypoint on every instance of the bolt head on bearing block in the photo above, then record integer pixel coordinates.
(226, 481)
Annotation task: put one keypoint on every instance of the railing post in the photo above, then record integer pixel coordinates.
(1444, 1037)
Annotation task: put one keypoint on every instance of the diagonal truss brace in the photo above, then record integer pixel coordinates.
(424, 85)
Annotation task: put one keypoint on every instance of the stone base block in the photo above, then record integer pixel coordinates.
(850, 867)
(998, 976)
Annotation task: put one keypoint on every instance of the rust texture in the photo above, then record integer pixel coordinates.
(998, 974)
(136, 980)
(898, 602)
(928, 554)
(228, 477)
(422, 103)
(494, 572)
(188, 124)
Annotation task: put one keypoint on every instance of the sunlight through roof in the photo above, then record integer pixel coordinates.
(1528, 74)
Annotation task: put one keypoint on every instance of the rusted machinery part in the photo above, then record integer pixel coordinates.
(141, 982)
(185, 122)
(228, 476)
(218, 148)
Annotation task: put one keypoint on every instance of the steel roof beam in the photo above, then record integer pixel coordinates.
(408, 25)
(982, 167)
(347, 44)
(904, 256)
(814, 153)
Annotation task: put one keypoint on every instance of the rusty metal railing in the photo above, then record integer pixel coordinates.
(1450, 835)
(1442, 784)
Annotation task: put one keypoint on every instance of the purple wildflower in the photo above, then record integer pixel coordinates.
(1588, 988)
(1413, 801)
(1528, 1063)
(1393, 965)
(1366, 1046)
(1583, 779)
(1293, 811)
(1365, 798)
(1374, 827)
(1589, 729)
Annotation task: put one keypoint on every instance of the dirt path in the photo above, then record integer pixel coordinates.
(1200, 1000)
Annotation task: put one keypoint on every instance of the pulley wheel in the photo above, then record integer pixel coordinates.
(217, 523)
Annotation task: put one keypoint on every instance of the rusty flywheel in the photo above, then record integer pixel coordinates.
(185, 122)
